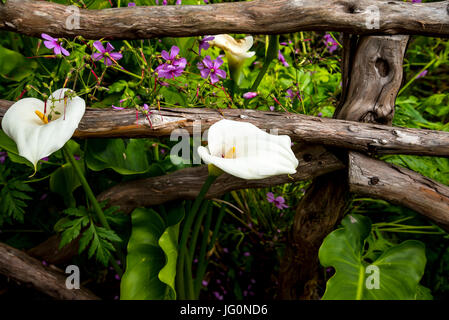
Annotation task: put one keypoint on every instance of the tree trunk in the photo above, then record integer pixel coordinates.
(369, 95)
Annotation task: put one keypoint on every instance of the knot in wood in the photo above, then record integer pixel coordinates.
(373, 181)
(307, 157)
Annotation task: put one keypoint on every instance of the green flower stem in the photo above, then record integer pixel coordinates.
(180, 268)
(87, 188)
(273, 47)
(196, 228)
(202, 262)
(90, 195)
(416, 75)
(191, 251)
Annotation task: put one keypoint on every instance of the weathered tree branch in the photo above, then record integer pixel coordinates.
(19, 266)
(187, 183)
(378, 179)
(256, 17)
(372, 138)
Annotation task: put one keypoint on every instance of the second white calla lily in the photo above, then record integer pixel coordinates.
(26, 122)
(243, 150)
(236, 52)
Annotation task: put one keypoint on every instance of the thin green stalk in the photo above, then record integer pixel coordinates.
(202, 261)
(196, 229)
(90, 195)
(87, 188)
(180, 268)
(416, 75)
(273, 47)
(218, 224)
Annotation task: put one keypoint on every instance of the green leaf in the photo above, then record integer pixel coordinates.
(12, 196)
(9, 145)
(64, 181)
(111, 153)
(152, 255)
(398, 269)
(14, 66)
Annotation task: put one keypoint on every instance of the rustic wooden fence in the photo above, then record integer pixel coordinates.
(336, 153)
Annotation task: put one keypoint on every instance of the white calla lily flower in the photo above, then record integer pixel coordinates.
(236, 52)
(40, 129)
(243, 150)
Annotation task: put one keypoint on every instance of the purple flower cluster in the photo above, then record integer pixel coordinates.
(331, 44)
(173, 67)
(279, 202)
(211, 68)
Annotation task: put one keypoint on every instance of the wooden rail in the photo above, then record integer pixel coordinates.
(256, 17)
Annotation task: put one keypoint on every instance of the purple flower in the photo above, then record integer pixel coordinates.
(422, 74)
(210, 68)
(246, 254)
(117, 108)
(44, 159)
(3, 156)
(416, 1)
(44, 263)
(178, 1)
(204, 44)
(250, 95)
(204, 283)
(131, 4)
(320, 114)
(293, 95)
(52, 43)
(279, 202)
(331, 44)
(282, 59)
(107, 53)
(173, 67)
(218, 295)
(271, 108)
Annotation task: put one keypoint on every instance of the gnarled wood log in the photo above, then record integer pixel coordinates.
(19, 266)
(365, 137)
(255, 17)
(187, 183)
(375, 78)
(378, 179)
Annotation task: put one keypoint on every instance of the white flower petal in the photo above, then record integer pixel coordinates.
(238, 49)
(257, 154)
(36, 140)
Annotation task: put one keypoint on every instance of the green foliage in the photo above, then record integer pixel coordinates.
(9, 145)
(13, 194)
(80, 221)
(14, 66)
(399, 268)
(152, 255)
(112, 153)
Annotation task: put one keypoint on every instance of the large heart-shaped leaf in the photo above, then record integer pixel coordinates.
(152, 255)
(395, 274)
(112, 153)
